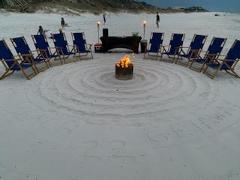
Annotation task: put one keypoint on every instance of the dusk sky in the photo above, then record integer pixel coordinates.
(212, 5)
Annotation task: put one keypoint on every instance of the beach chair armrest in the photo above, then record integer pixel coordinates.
(72, 46)
(224, 61)
(164, 48)
(195, 50)
(160, 49)
(198, 58)
(26, 55)
(87, 46)
(58, 50)
(34, 51)
(54, 48)
(216, 60)
(211, 57)
(217, 55)
(42, 53)
(16, 57)
(27, 58)
(227, 60)
(195, 53)
(181, 50)
(221, 57)
(16, 60)
(203, 52)
(230, 66)
(177, 50)
(183, 47)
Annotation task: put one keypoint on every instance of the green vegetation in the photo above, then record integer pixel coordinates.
(95, 6)
(82, 5)
(195, 9)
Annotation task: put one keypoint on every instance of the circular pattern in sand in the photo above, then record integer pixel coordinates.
(172, 99)
(90, 88)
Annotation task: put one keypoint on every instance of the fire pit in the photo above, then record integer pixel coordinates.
(124, 68)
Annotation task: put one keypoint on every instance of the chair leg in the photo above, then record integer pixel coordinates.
(195, 68)
(28, 77)
(34, 70)
(61, 56)
(58, 58)
(91, 54)
(212, 76)
(87, 55)
(146, 55)
(177, 60)
(170, 59)
(233, 73)
(189, 62)
(7, 73)
(202, 68)
(79, 57)
(25, 74)
(174, 59)
(63, 59)
(49, 63)
(43, 68)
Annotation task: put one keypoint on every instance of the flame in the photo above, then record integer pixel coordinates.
(124, 62)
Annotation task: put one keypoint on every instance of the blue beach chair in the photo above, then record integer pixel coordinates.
(193, 51)
(172, 50)
(80, 45)
(61, 44)
(24, 51)
(214, 50)
(228, 63)
(44, 49)
(155, 44)
(13, 64)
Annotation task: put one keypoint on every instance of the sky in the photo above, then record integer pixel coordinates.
(212, 5)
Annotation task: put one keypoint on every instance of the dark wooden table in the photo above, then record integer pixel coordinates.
(128, 42)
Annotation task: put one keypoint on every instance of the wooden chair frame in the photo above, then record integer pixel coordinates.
(87, 46)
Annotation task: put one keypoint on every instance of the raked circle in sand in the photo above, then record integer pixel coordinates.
(172, 99)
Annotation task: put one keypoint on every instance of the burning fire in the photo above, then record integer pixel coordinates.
(124, 62)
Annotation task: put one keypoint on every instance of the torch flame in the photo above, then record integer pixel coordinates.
(124, 62)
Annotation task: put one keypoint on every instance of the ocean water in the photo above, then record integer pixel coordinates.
(121, 24)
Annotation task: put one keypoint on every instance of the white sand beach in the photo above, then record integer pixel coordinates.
(77, 122)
